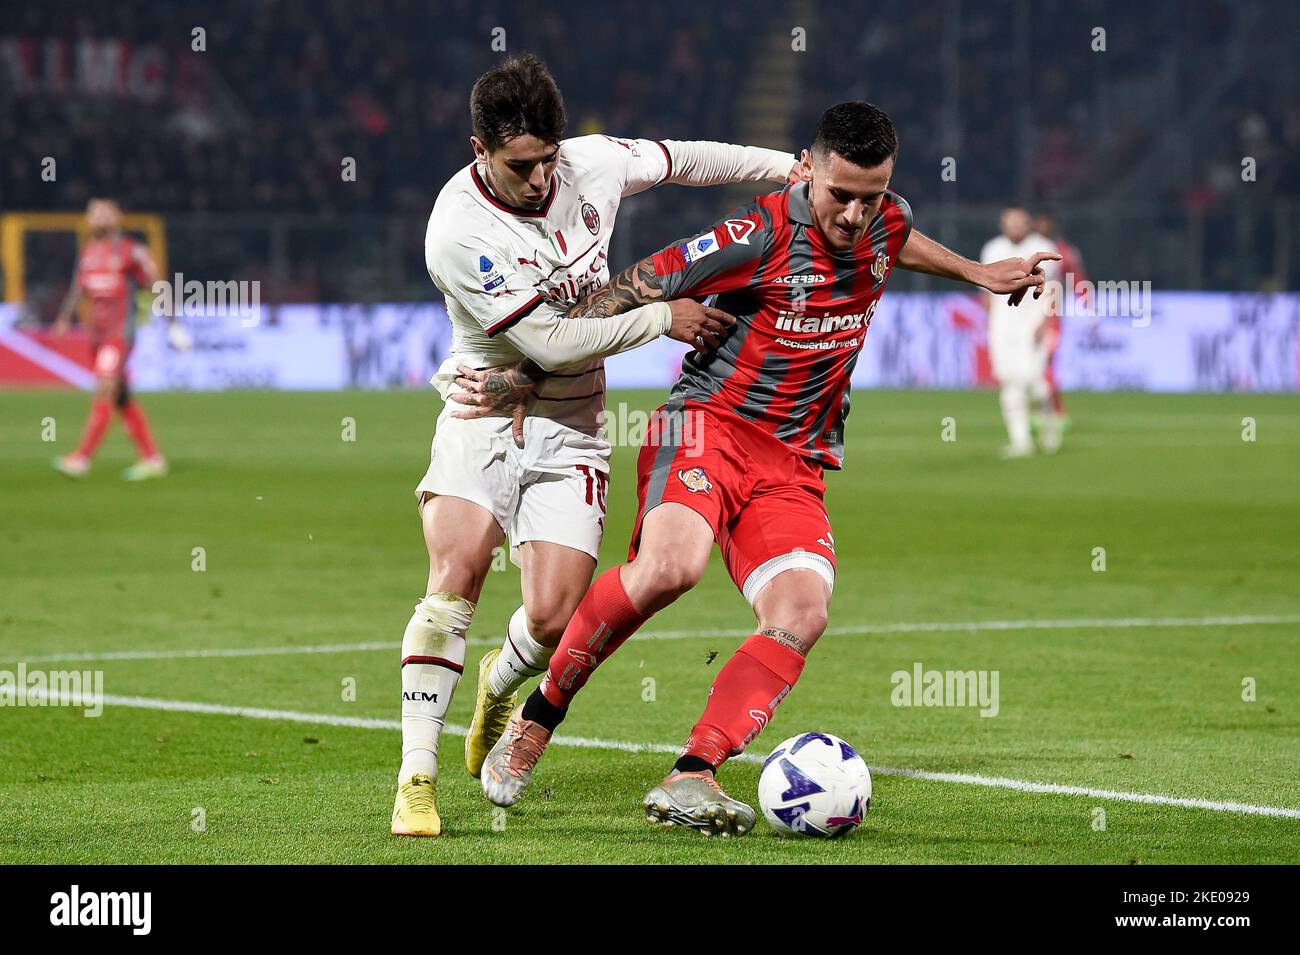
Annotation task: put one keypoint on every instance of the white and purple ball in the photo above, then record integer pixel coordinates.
(815, 784)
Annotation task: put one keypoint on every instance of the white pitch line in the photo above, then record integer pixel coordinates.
(974, 626)
(218, 652)
(1019, 785)
(582, 742)
(49, 359)
(1081, 623)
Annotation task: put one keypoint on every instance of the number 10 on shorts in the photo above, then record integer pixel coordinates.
(597, 485)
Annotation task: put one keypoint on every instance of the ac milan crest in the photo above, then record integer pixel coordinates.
(591, 217)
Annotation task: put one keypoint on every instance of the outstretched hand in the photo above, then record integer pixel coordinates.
(1017, 276)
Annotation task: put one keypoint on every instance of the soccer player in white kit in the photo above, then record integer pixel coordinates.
(1017, 347)
(516, 239)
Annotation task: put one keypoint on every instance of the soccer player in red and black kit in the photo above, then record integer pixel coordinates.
(737, 453)
(108, 264)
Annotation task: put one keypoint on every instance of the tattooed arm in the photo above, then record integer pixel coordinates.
(506, 391)
(636, 285)
(697, 325)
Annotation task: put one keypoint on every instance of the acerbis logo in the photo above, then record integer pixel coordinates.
(800, 279)
(419, 696)
(760, 718)
(739, 229)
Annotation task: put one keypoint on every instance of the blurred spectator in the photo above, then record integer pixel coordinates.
(263, 118)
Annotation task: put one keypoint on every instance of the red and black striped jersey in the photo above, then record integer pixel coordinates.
(802, 312)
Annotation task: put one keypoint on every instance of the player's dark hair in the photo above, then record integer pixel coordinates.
(859, 132)
(517, 98)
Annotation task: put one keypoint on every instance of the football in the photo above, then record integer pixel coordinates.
(815, 784)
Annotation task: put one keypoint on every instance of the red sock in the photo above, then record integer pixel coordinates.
(743, 697)
(101, 413)
(600, 625)
(137, 425)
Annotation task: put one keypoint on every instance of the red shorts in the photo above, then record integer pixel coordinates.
(109, 355)
(763, 500)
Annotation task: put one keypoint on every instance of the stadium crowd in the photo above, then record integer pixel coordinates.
(260, 119)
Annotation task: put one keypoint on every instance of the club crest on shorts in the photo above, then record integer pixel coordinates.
(695, 480)
(591, 217)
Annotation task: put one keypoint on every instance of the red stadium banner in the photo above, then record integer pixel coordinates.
(37, 359)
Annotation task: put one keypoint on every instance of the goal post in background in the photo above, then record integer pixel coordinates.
(38, 252)
(15, 227)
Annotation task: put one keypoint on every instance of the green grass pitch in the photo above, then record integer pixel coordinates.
(310, 540)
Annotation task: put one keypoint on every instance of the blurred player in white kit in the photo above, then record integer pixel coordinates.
(515, 240)
(1017, 341)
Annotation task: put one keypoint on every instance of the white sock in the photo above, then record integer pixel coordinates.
(1049, 423)
(1040, 397)
(1015, 413)
(433, 657)
(521, 658)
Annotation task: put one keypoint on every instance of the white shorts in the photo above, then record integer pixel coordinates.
(553, 489)
(1015, 357)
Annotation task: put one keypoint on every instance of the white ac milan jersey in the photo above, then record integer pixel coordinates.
(495, 263)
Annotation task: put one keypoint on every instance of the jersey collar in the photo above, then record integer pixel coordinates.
(507, 207)
(800, 207)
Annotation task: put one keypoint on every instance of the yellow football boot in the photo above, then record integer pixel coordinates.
(491, 715)
(416, 811)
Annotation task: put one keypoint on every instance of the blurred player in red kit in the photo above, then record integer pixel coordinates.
(109, 263)
(1071, 270)
(738, 452)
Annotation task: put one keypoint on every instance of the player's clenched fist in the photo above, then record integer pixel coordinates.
(698, 325)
